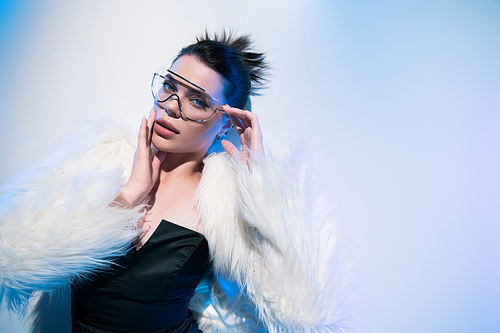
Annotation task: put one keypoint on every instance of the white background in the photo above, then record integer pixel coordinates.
(397, 102)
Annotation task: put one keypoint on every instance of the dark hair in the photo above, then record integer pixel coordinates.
(242, 70)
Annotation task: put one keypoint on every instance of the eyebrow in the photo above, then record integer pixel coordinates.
(197, 86)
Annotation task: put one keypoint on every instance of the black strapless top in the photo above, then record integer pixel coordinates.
(151, 288)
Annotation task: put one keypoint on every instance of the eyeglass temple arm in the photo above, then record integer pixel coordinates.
(197, 86)
(194, 84)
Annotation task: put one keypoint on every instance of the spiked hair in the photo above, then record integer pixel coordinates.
(244, 71)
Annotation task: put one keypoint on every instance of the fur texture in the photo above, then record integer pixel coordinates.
(278, 261)
(56, 222)
(273, 236)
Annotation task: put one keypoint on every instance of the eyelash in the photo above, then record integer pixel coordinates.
(201, 103)
(169, 86)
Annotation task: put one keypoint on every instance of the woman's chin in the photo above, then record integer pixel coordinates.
(169, 147)
(161, 144)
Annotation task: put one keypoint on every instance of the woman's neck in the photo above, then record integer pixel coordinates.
(180, 168)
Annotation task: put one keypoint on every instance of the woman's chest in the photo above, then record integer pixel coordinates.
(178, 210)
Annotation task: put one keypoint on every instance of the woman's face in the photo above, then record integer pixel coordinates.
(172, 132)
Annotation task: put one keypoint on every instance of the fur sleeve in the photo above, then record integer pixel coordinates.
(279, 243)
(56, 222)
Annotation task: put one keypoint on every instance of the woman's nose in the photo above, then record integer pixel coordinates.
(173, 106)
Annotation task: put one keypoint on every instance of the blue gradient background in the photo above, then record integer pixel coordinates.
(398, 104)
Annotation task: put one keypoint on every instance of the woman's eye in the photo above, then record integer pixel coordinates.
(168, 86)
(199, 103)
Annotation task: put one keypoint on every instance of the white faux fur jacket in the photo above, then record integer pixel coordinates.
(278, 261)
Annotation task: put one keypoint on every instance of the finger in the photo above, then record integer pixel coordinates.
(234, 114)
(156, 163)
(240, 128)
(250, 120)
(142, 137)
(251, 133)
(247, 118)
(151, 120)
(230, 149)
(248, 127)
(158, 159)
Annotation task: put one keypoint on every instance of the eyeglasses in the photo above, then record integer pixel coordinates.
(195, 104)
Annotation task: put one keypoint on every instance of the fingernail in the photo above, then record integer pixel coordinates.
(224, 105)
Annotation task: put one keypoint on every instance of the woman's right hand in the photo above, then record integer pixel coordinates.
(145, 169)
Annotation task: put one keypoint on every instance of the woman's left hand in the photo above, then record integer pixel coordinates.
(247, 125)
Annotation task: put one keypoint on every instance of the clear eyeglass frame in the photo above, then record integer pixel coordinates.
(160, 75)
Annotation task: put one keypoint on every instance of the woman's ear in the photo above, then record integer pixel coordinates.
(227, 123)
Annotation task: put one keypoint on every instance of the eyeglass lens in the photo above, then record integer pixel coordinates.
(193, 103)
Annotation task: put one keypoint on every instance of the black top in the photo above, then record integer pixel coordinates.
(150, 290)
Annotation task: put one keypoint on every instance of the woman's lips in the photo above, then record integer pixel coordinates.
(165, 128)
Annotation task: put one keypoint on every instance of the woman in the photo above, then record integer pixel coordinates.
(237, 226)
